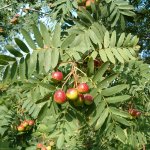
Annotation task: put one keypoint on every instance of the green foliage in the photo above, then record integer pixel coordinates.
(118, 83)
(43, 57)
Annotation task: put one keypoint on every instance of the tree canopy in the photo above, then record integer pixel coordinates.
(71, 75)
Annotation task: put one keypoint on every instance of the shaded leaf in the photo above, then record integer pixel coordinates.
(90, 66)
(38, 36)
(28, 39)
(60, 141)
(22, 45)
(101, 120)
(56, 37)
(100, 72)
(13, 51)
(114, 90)
(117, 99)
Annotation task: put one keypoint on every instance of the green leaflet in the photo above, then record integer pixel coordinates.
(22, 45)
(68, 41)
(93, 37)
(76, 56)
(117, 55)
(114, 90)
(113, 39)
(120, 2)
(22, 69)
(38, 36)
(110, 55)
(38, 109)
(105, 83)
(28, 39)
(116, 19)
(43, 112)
(127, 13)
(60, 141)
(47, 86)
(114, 12)
(127, 40)
(128, 53)
(108, 1)
(56, 36)
(6, 74)
(101, 119)
(31, 61)
(123, 55)
(13, 51)
(121, 40)
(94, 54)
(3, 63)
(120, 134)
(100, 108)
(77, 41)
(90, 65)
(121, 120)
(7, 58)
(45, 34)
(117, 99)
(125, 7)
(103, 55)
(106, 40)
(87, 40)
(119, 112)
(54, 57)
(85, 14)
(47, 60)
(41, 59)
(134, 41)
(14, 70)
(122, 22)
(112, 6)
(100, 72)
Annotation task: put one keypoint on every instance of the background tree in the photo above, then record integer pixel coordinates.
(87, 44)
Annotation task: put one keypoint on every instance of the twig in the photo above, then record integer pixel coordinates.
(144, 147)
(7, 6)
(31, 9)
(66, 80)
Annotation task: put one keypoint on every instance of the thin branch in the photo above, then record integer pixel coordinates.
(31, 9)
(6, 6)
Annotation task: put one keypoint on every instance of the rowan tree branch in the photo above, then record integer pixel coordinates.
(6, 6)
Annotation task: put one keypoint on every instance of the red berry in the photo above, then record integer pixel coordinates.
(20, 128)
(39, 145)
(83, 88)
(79, 101)
(88, 3)
(134, 112)
(72, 94)
(57, 76)
(25, 123)
(138, 114)
(30, 122)
(43, 148)
(60, 97)
(97, 63)
(17, 15)
(88, 99)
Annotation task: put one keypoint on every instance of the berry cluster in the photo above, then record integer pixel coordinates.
(41, 146)
(25, 125)
(134, 112)
(85, 3)
(78, 95)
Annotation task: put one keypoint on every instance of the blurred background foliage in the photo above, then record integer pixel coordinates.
(17, 14)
